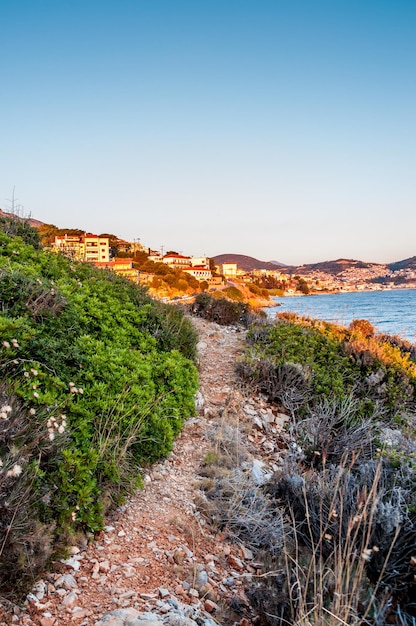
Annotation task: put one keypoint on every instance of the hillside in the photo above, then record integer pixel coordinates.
(405, 264)
(334, 267)
(29, 220)
(248, 263)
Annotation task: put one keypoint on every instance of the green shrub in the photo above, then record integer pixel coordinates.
(233, 293)
(341, 363)
(220, 310)
(348, 480)
(112, 367)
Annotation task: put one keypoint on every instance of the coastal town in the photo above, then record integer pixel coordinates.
(136, 261)
(173, 274)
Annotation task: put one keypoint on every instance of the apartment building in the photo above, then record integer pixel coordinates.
(86, 247)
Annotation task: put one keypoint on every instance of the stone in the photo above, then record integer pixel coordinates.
(104, 566)
(110, 621)
(246, 553)
(179, 556)
(257, 471)
(70, 600)
(109, 529)
(257, 422)
(199, 401)
(47, 620)
(208, 592)
(210, 606)
(67, 581)
(72, 562)
(175, 619)
(129, 571)
(201, 579)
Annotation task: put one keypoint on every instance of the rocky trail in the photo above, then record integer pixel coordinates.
(159, 561)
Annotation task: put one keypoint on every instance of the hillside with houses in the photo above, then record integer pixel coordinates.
(176, 275)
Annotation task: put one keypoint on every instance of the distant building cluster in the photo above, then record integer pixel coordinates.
(354, 276)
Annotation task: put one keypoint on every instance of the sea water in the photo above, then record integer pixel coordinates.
(392, 312)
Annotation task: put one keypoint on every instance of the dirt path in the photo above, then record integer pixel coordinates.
(157, 545)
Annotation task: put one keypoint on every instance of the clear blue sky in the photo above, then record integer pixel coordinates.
(281, 129)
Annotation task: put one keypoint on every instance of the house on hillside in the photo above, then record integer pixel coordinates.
(200, 261)
(86, 247)
(176, 261)
(229, 270)
(122, 267)
(199, 272)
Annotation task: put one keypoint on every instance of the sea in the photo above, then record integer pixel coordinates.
(392, 312)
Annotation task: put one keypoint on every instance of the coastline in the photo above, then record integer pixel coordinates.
(390, 311)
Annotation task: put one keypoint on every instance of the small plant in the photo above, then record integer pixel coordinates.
(221, 310)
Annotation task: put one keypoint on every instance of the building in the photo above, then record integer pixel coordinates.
(199, 272)
(122, 267)
(200, 261)
(86, 247)
(176, 261)
(229, 270)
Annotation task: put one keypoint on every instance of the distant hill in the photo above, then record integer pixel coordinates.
(334, 267)
(32, 222)
(247, 263)
(401, 265)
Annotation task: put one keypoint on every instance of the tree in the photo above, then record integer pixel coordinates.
(303, 286)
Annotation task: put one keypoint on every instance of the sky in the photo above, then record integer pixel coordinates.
(279, 129)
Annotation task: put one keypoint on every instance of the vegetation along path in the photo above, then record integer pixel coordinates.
(157, 554)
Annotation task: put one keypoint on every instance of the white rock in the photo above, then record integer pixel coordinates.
(257, 471)
(70, 600)
(67, 581)
(73, 562)
(109, 529)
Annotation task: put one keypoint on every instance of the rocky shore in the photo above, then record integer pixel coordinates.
(160, 560)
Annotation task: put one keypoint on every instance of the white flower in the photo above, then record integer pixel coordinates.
(15, 471)
(34, 372)
(71, 384)
(15, 343)
(35, 394)
(61, 429)
(366, 554)
(6, 344)
(4, 411)
(26, 374)
(80, 390)
(51, 435)
(32, 411)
